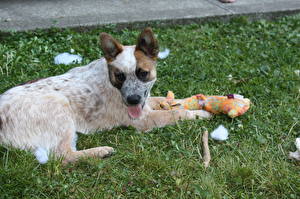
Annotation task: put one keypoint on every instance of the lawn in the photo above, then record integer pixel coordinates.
(255, 59)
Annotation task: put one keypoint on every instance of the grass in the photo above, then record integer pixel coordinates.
(260, 56)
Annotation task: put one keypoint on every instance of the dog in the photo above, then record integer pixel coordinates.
(44, 116)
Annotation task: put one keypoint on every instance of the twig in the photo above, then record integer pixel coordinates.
(206, 153)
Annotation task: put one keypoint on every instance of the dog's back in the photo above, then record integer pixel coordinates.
(35, 114)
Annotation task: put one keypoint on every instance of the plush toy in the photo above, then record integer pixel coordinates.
(232, 105)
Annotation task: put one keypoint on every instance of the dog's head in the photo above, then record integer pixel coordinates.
(132, 69)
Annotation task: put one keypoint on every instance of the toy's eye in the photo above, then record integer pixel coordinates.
(120, 76)
(142, 75)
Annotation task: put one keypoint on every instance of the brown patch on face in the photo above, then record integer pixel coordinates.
(145, 65)
(31, 81)
(116, 76)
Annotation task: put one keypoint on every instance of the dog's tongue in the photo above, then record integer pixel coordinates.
(135, 111)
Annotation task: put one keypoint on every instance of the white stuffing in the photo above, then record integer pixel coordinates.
(237, 96)
(67, 58)
(220, 133)
(297, 143)
(296, 154)
(41, 155)
(164, 54)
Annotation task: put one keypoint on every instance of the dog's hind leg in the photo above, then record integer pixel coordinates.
(44, 125)
(67, 150)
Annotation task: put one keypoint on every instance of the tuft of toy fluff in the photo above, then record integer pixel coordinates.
(237, 96)
(220, 133)
(67, 58)
(296, 154)
(297, 143)
(41, 155)
(164, 54)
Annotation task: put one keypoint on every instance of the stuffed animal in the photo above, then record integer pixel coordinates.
(232, 105)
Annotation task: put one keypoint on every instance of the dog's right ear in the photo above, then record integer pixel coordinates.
(110, 47)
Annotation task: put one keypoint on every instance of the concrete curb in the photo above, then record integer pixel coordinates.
(18, 15)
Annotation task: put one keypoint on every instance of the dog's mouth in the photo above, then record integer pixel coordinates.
(135, 111)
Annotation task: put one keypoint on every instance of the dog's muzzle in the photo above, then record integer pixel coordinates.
(134, 106)
(134, 99)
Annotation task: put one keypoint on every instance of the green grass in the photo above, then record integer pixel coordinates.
(261, 56)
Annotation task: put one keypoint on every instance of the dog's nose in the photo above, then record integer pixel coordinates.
(134, 99)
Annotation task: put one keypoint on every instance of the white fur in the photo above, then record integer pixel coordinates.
(220, 133)
(126, 60)
(41, 154)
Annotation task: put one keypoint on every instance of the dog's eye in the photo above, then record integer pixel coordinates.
(141, 74)
(120, 77)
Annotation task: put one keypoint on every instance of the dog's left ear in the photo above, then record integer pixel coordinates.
(110, 47)
(148, 44)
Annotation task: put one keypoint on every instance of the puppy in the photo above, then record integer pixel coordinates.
(43, 116)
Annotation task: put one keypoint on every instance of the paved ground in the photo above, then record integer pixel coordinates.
(31, 14)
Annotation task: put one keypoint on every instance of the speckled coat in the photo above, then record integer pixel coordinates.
(44, 116)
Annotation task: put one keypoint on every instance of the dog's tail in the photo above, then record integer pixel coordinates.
(42, 155)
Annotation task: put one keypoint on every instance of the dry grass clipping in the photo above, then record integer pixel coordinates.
(206, 152)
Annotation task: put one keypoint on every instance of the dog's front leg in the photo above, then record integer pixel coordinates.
(154, 102)
(161, 118)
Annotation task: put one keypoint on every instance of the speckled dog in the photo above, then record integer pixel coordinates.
(43, 116)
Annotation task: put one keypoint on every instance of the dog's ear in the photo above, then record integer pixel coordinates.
(110, 47)
(148, 44)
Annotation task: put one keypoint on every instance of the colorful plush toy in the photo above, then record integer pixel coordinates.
(232, 105)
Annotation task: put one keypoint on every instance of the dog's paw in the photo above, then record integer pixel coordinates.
(104, 151)
(200, 114)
